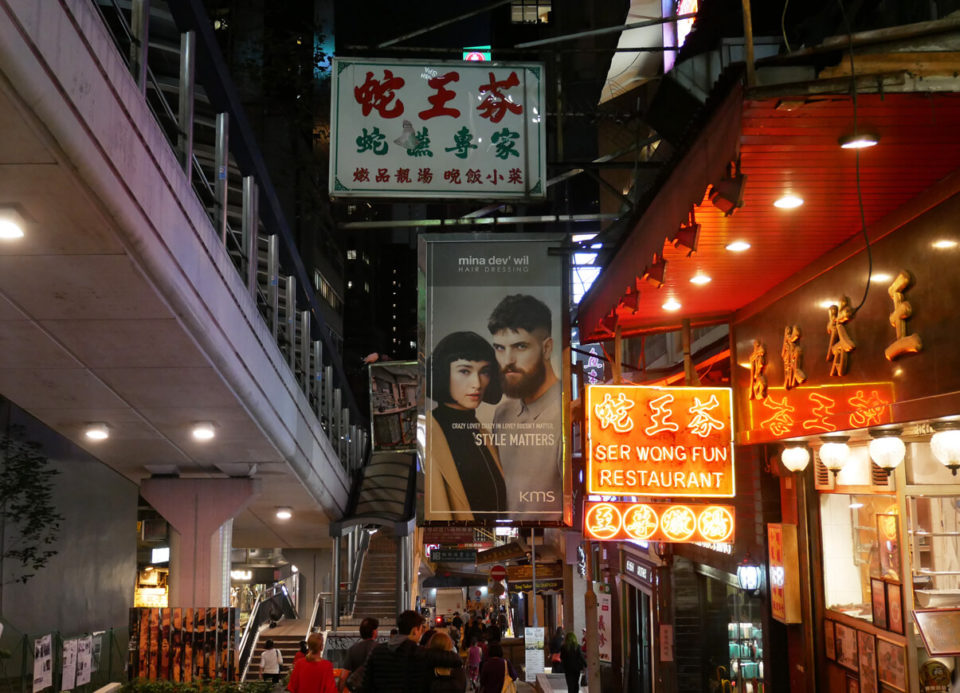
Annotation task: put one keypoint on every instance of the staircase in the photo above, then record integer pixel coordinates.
(288, 644)
(377, 592)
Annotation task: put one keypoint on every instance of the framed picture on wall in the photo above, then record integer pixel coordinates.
(867, 661)
(888, 536)
(892, 664)
(895, 607)
(878, 596)
(829, 640)
(847, 646)
(853, 686)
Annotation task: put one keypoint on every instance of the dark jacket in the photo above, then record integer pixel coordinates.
(454, 682)
(572, 660)
(400, 666)
(491, 674)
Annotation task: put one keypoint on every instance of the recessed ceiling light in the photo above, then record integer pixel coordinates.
(881, 278)
(203, 430)
(11, 224)
(97, 431)
(788, 201)
(860, 141)
(944, 244)
(700, 278)
(671, 304)
(284, 513)
(738, 246)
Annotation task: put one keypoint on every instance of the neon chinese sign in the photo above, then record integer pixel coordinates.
(805, 410)
(619, 521)
(659, 441)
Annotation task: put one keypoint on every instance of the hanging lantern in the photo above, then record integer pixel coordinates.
(886, 449)
(834, 453)
(945, 445)
(795, 457)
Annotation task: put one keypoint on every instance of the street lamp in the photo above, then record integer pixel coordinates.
(749, 576)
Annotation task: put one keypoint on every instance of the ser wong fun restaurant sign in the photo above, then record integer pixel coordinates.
(661, 442)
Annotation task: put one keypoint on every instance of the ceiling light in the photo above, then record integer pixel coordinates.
(671, 304)
(944, 244)
(284, 513)
(886, 449)
(203, 430)
(11, 224)
(97, 431)
(738, 246)
(834, 453)
(945, 445)
(700, 278)
(795, 457)
(788, 201)
(859, 141)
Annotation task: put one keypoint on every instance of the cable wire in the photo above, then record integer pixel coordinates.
(856, 129)
(783, 26)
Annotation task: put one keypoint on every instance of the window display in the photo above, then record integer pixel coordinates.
(860, 535)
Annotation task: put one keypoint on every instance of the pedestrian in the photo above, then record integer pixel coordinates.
(556, 642)
(573, 661)
(301, 653)
(270, 662)
(399, 665)
(358, 653)
(495, 672)
(313, 673)
(443, 679)
(474, 660)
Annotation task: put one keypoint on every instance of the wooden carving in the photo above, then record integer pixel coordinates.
(904, 344)
(840, 342)
(792, 355)
(758, 362)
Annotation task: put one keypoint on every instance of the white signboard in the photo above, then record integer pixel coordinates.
(84, 652)
(68, 680)
(405, 128)
(533, 652)
(42, 663)
(603, 627)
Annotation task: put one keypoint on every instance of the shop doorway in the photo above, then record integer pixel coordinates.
(640, 630)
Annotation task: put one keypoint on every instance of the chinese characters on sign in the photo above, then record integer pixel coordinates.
(650, 441)
(805, 411)
(403, 129)
(620, 521)
(784, 580)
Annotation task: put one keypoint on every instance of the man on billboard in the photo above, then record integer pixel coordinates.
(530, 415)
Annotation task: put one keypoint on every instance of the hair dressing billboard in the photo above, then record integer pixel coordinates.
(493, 444)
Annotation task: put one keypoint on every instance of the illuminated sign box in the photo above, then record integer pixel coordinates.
(784, 576)
(680, 523)
(660, 441)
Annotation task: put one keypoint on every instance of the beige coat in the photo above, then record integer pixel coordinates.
(447, 498)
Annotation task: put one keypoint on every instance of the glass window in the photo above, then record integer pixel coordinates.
(934, 534)
(850, 528)
(530, 11)
(351, 254)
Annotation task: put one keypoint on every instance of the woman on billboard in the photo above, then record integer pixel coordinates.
(464, 468)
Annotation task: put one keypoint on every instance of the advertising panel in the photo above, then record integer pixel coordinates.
(494, 443)
(660, 441)
(393, 405)
(679, 523)
(784, 579)
(405, 128)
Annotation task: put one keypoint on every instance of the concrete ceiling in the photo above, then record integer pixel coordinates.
(86, 337)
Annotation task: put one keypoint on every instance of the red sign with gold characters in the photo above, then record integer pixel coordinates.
(620, 521)
(810, 411)
(660, 441)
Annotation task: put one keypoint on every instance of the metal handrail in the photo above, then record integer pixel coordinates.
(357, 566)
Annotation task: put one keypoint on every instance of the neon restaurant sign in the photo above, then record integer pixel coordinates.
(811, 411)
(659, 441)
(618, 521)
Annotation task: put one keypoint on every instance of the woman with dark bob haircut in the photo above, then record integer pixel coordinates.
(465, 473)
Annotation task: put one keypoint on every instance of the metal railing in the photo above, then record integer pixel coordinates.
(276, 597)
(209, 133)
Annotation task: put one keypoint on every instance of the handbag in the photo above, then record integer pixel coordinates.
(508, 685)
(555, 658)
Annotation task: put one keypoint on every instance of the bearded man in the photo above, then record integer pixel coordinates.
(521, 327)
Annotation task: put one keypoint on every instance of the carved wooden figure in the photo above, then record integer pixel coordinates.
(792, 355)
(758, 362)
(904, 344)
(840, 342)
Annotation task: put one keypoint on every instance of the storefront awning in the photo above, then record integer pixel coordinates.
(787, 145)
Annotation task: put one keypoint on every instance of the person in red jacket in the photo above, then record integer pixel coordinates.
(313, 673)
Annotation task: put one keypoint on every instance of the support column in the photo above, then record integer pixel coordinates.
(197, 509)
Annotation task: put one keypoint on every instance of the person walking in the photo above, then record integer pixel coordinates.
(443, 679)
(270, 662)
(573, 661)
(313, 673)
(399, 665)
(556, 642)
(301, 653)
(495, 670)
(358, 653)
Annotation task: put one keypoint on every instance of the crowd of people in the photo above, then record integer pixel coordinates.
(445, 657)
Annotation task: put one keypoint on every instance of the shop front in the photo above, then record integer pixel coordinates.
(864, 403)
